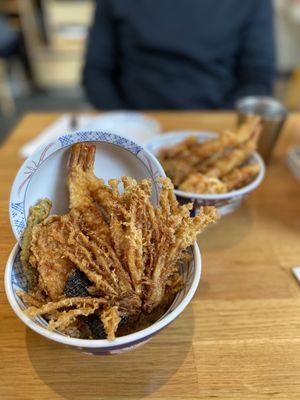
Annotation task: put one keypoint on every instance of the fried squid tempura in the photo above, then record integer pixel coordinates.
(187, 162)
(127, 250)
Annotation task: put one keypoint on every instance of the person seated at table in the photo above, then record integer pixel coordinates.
(179, 54)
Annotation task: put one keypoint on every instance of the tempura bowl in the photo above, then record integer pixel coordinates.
(225, 202)
(15, 280)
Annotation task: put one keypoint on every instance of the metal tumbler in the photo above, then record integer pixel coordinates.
(273, 115)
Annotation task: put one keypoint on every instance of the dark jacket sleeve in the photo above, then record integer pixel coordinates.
(256, 65)
(100, 69)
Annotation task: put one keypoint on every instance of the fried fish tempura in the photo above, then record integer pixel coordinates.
(127, 249)
(200, 183)
(213, 158)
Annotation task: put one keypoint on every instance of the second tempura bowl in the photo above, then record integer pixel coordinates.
(225, 202)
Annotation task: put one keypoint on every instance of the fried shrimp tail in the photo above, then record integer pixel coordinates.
(80, 171)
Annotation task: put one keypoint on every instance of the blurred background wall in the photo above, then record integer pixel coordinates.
(43, 72)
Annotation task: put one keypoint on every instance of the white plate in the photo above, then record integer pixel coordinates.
(44, 173)
(133, 125)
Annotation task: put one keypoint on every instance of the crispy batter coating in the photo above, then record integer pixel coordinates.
(240, 177)
(127, 249)
(30, 298)
(200, 183)
(78, 302)
(110, 319)
(228, 162)
(186, 161)
(37, 214)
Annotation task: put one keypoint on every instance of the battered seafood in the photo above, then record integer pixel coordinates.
(111, 265)
(215, 166)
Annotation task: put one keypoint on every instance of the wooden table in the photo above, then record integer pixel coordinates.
(238, 339)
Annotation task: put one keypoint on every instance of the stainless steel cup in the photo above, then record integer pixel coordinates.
(273, 115)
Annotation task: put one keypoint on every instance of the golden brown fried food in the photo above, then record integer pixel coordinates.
(177, 169)
(240, 177)
(182, 149)
(127, 249)
(37, 214)
(190, 147)
(228, 162)
(199, 167)
(228, 139)
(200, 183)
(111, 318)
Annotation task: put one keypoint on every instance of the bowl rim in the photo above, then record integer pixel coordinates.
(221, 196)
(120, 342)
(46, 150)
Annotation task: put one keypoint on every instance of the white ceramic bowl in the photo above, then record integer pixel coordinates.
(14, 280)
(225, 202)
(44, 174)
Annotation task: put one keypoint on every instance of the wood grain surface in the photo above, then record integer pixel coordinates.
(238, 339)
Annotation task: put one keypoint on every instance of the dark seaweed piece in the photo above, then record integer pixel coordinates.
(123, 321)
(76, 284)
(127, 325)
(76, 287)
(96, 326)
